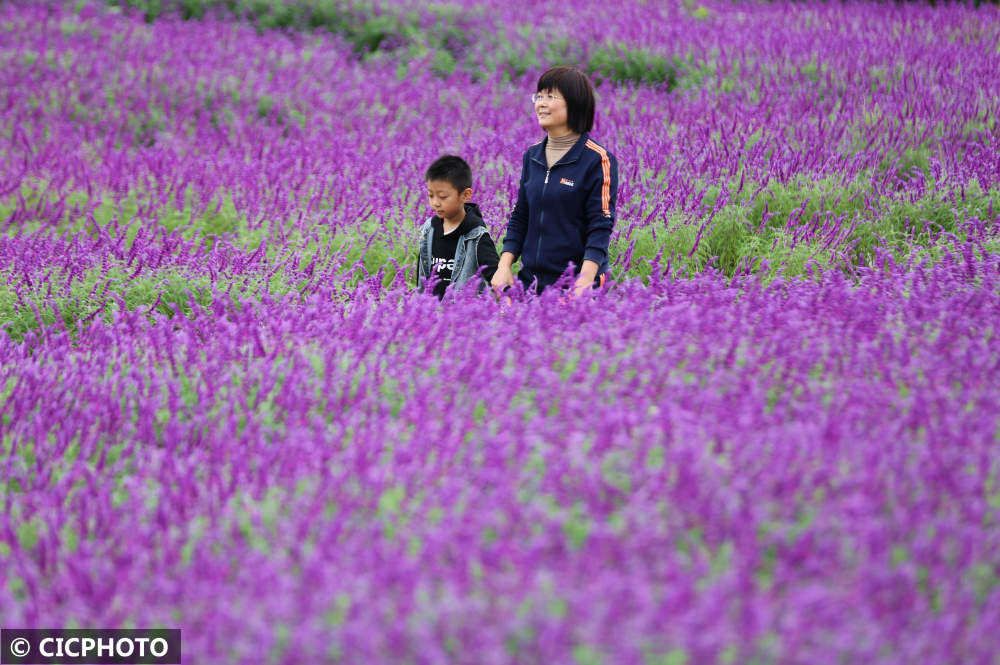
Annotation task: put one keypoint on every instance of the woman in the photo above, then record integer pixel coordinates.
(566, 199)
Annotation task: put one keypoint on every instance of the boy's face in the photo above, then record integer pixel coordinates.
(446, 201)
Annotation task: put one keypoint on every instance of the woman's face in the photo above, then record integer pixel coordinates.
(551, 111)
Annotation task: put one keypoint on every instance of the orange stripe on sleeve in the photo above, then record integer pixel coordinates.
(606, 168)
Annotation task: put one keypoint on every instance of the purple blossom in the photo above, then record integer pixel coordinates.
(223, 407)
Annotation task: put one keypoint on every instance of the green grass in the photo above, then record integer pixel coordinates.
(620, 63)
(96, 292)
(372, 249)
(443, 41)
(364, 25)
(760, 231)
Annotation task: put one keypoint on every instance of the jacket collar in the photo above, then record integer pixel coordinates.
(570, 157)
(473, 209)
(473, 218)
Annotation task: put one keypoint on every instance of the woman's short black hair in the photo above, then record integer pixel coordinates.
(576, 89)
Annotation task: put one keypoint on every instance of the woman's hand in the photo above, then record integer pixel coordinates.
(585, 281)
(503, 277)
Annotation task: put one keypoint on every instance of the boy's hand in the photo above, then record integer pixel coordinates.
(503, 277)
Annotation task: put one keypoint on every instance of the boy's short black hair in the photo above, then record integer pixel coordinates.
(576, 89)
(452, 169)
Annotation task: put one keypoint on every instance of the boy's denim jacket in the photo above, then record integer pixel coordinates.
(466, 255)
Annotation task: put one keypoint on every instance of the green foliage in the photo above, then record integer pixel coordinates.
(27, 534)
(193, 9)
(576, 528)
(145, 126)
(366, 26)
(697, 11)
(672, 657)
(912, 163)
(94, 294)
(620, 63)
(883, 80)
(505, 54)
(584, 654)
(693, 74)
(370, 29)
(788, 229)
(800, 227)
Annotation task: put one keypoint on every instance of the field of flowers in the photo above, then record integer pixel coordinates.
(224, 408)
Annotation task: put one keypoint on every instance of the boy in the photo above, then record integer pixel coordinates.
(454, 243)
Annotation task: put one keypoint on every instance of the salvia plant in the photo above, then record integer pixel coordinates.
(225, 408)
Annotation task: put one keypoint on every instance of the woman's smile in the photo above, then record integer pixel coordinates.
(551, 111)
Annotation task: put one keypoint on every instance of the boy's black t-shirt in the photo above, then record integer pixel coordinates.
(443, 247)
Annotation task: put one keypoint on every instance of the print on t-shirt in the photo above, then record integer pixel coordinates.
(443, 267)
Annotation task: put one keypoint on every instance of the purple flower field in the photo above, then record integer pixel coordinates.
(224, 407)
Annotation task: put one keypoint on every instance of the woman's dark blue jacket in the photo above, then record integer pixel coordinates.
(565, 213)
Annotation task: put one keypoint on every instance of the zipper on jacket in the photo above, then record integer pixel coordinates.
(541, 217)
(548, 170)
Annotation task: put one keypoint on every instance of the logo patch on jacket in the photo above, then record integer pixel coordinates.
(566, 181)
